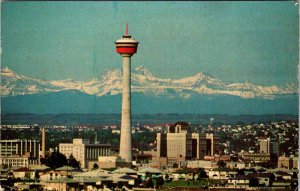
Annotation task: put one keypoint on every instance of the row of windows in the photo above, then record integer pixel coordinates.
(94, 153)
(16, 164)
(66, 146)
(15, 160)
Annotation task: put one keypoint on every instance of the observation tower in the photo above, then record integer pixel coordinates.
(126, 47)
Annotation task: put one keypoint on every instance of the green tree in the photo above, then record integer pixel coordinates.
(27, 176)
(55, 160)
(159, 182)
(150, 183)
(36, 175)
(202, 173)
(221, 164)
(73, 162)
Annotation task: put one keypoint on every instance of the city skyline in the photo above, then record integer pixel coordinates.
(196, 95)
(233, 41)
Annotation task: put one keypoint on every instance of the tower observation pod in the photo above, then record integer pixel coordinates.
(126, 47)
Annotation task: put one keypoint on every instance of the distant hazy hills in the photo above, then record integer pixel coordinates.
(201, 94)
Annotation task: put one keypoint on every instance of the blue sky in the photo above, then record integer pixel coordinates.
(255, 42)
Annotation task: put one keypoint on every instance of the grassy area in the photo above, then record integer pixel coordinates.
(183, 183)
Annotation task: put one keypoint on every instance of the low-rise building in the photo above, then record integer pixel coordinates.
(201, 164)
(239, 182)
(108, 162)
(21, 173)
(288, 162)
(51, 175)
(19, 152)
(236, 165)
(283, 175)
(83, 151)
(225, 173)
(16, 161)
(256, 157)
(20, 147)
(264, 179)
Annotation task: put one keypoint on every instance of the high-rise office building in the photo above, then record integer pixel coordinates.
(178, 144)
(269, 146)
(209, 145)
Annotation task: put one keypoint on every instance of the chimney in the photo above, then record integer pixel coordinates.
(43, 142)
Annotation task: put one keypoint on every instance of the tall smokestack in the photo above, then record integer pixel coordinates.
(43, 142)
(126, 47)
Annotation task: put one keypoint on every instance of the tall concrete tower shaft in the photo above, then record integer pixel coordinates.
(126, 47)
(43, 142)
(125, 142)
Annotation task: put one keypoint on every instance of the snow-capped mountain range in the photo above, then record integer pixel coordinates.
(143, 81)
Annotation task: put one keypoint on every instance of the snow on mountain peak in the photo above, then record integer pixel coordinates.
(291, 87)
(6, 70)
(142, 81)
(142, 70)
(196, 79)
(8, 73)
(113, 74)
